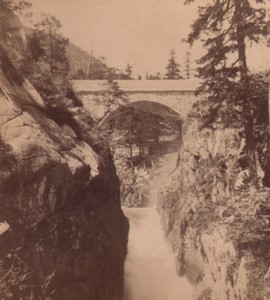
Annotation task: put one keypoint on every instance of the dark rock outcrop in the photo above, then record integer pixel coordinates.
(60, 195)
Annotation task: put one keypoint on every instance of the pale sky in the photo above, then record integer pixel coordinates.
(139, 32)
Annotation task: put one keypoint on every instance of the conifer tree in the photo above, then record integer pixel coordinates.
(173, 71)
(112, 97)
(128, 71)
(53, 43)
(187, 65)
(225, 27)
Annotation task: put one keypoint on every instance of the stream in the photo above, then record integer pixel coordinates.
(150, 272)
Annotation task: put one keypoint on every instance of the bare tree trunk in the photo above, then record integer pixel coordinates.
(51, 54)
(130, 151)
(245, 99)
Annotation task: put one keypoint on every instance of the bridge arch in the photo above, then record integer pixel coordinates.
(179, 95)
(149, 129)
(159, 109)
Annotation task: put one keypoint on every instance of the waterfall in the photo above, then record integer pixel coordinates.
(150, 272)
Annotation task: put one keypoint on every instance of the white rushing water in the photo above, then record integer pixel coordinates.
(150, 272)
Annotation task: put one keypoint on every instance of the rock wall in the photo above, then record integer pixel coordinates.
(218, 228)
(60, 195)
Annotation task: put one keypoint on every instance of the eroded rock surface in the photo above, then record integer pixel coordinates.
(60, 195)
(218, 229)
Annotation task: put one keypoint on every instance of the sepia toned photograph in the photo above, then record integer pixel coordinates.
(134, 150)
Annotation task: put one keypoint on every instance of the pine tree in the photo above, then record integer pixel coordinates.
(53, 43)
(187, 65)
(173, 71)
(225, 27)
(112, 97)
(128, 70)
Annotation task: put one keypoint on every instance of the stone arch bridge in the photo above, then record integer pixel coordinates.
(178, 95)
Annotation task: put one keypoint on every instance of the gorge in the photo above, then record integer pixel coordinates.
(217, 228)
(151, 202)
(150, 271)
(61, 196)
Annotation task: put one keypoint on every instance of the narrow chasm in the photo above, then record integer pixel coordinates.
(144, 140)
(198, 228)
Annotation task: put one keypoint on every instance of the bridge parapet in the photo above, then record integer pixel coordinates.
(134, 86)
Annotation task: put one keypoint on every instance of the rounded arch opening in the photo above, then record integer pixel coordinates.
(142, 135)
(146, 106)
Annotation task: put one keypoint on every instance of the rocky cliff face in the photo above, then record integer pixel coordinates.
(217, 227)
(60, 195)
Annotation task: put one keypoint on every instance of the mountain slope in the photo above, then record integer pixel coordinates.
(79, 61)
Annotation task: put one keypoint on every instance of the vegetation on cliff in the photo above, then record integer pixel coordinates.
(215, 209)
(218, 229)
(225, 29)
(38, 54)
